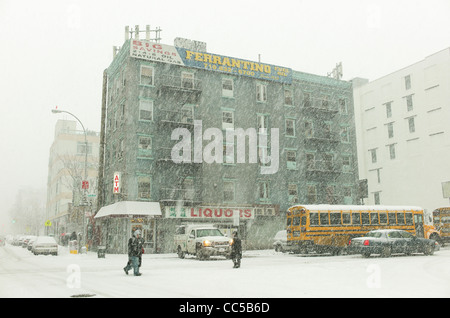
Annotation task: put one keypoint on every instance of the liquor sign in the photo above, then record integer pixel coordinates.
(211, 212)
(156, 52)
(116, 186)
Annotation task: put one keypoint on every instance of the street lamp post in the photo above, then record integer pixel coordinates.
(84, 199)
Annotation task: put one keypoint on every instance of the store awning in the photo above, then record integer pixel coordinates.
(130, 209)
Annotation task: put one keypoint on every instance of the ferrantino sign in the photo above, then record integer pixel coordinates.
(164, 53)
(211, 212)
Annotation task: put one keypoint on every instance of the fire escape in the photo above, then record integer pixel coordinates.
(322, 140)
(180, 182)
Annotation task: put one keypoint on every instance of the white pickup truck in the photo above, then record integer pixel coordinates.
(201, 240)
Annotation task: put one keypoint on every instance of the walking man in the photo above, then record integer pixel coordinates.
(236, 250)
(135, 246)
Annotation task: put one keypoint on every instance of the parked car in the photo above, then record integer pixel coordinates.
(280, 241)
(387, 242)
(27, 239)
(45, 245)
(30, 243)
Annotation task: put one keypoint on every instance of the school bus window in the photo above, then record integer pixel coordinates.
(314, 219)
(356, 218)
(374, 218)
(296, 221)
(289, 221)
(335, 218)
(383, 218)
(401, 218)
(392, 218)
(418, 219)
(303, 221)
(324, 220)
(409, 219)
(346, 218)
(365, 218)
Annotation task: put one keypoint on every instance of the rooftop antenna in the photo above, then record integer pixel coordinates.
(150, 35)
(336, 72)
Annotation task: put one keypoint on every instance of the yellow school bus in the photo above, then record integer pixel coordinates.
(441, 220)
(329, 228)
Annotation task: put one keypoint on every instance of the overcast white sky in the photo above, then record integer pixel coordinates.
(54, 53)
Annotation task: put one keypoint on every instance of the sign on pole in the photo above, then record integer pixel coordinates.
(116, 186)
(48, 223)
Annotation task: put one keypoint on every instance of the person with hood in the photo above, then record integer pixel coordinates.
(135, 247)
(236, 250)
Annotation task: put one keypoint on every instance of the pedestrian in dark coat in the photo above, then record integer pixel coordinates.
(135, 247)
(236, 250)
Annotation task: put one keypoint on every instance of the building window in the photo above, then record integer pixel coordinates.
(263, 124)
(310, 161)
(145, 109)
(344, 135)
(331, 197)
(293, 193)
(411, 125)
(378, 175)
(227, 120)
(346, 163)
(392, 151)
(290, 127)
(187, 114)
(347, 193)
(227, 87)
(308, 129)
(228, 152)
(263, 159)
(373, 154)
(325, 102)
(390, 129)
(376, 198)
(327, 130)
(145, 145)
(307, 100)
(311, 195)
(263, 190)
(187, 80)
(143, 187)
(388, 110)
(343, 106)
(409, 103)
(120, 149)
(407, 81)
(328, 162)
(288, 100)
(228, 191)
(147, 75)
(291, 158)
(261, 93)
(188, 189)
(81, 148)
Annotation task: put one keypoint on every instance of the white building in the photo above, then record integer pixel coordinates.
(403, 133)
(66, 171)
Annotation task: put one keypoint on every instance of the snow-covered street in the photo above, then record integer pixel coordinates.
(264, 274)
